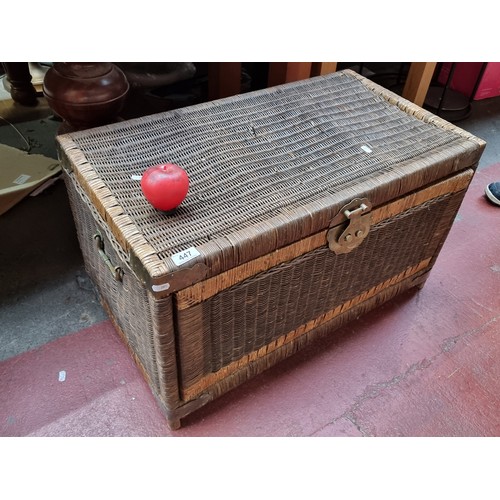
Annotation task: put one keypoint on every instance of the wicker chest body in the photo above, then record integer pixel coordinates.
(309, 204)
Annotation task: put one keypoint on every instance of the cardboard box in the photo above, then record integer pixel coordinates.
(21, 174)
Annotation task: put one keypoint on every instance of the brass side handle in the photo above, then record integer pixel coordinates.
(116, 271)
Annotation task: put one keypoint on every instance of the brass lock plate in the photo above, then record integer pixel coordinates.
(343, 239)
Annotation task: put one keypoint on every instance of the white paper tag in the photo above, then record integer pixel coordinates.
(366, 148)
(136, 177)
(160, 288)
(22, 179)
(185, 256)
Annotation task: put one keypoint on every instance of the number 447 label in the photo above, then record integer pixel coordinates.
(185, 256)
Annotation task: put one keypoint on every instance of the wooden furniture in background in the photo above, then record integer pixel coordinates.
(418, 81)
(22, 90)
(323, 68)
(285, 72)
(224, 79)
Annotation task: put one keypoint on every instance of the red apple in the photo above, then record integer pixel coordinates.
(165, 186)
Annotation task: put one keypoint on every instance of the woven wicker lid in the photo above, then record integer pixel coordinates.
(265, 168)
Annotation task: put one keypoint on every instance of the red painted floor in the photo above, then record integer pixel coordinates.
(427, 364)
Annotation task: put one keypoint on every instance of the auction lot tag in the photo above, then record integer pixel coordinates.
(185, 256)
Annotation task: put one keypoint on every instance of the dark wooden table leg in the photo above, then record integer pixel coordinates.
(285, 72)
(224, 79)
(21, 89)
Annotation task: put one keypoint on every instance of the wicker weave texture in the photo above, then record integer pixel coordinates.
(127, 301)
(259, 310)
(264, 307)
(260, 155)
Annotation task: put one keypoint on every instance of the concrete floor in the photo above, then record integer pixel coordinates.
(424, 365)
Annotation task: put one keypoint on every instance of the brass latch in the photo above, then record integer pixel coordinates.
(343, 239)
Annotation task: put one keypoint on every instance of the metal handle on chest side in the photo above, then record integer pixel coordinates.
(116, 271)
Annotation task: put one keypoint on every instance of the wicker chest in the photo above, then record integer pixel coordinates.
(309, 204)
